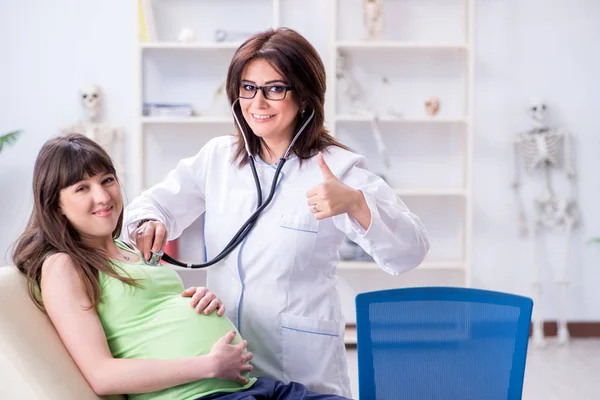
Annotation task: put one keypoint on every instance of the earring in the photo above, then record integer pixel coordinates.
(302, 112)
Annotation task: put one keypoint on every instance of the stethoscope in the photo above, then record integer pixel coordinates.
(251, 221)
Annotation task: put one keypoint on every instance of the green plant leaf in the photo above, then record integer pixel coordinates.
(9, 138)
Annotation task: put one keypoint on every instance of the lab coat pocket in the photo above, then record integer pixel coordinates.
(311, 351)
(301, 230)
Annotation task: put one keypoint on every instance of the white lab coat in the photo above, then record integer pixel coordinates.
(279, 285)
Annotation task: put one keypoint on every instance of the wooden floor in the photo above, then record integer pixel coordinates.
(555, 373)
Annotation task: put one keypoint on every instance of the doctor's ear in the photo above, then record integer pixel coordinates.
(303, 107)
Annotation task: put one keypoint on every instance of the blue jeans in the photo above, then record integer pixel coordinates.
(270, 389)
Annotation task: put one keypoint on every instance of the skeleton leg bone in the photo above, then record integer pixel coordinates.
(538, 321)
(563, 285)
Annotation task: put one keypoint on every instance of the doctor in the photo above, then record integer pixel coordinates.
(279, 284)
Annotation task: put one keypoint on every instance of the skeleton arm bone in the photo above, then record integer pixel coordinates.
(569, 169)
(517, 189)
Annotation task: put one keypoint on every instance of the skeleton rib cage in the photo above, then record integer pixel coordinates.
(542, 147)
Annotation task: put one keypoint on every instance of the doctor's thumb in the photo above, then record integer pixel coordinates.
(327, 174)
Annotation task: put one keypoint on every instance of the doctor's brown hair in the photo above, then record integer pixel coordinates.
(297, 60)
(62, 162)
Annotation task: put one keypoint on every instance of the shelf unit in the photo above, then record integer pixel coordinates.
(339, 120)
(463, 192)
(395, 119)
(186, 120)
(391, 45)
(190, 46)
(171, 48)
(433, 264)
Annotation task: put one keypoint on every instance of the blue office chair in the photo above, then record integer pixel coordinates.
(441, 343)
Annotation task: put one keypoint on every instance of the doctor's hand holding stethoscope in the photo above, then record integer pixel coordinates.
(278, 200)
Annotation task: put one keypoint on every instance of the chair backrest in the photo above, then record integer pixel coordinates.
(34, 363)
(441, 343)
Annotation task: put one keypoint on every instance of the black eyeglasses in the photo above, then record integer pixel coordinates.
(270, 92)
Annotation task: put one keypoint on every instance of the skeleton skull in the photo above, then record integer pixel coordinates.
(91, 99)
(537, 111)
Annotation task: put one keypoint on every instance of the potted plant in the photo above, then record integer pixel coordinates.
(9, 138)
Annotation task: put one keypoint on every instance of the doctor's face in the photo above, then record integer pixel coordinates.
(270, 119)
(93, 205)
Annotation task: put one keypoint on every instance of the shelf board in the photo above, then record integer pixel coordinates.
(190, 46)
(427, 264)
(187, 120)
(363, 45)
(398, 119)
(431, 192)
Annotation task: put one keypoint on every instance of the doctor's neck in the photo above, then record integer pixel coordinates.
(273, 149)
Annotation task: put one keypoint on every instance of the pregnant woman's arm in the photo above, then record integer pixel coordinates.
(78, 325)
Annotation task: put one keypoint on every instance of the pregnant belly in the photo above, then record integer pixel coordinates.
(171, 329)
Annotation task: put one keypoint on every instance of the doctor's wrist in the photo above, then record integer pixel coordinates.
(358, 203)
(360, 210)
(143, 221)
(134, 229)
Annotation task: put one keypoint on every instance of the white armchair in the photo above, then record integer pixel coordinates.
(34, 364)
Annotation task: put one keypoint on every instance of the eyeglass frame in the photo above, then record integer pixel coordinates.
(262, 89)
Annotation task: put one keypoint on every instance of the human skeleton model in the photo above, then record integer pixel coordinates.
(373, 18)
(543, 149)
(108, 136)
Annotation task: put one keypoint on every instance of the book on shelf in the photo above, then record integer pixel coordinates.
(147, 26)
(169, 110)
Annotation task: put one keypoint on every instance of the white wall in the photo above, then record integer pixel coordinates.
(47, 51)
(524, 49)
(546, 48)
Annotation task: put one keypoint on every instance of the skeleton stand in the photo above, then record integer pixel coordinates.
(544, 149)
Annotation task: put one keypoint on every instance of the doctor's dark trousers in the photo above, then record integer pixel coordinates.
(270, 389)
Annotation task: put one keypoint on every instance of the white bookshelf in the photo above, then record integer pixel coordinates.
(189, 46)
(186, 120)
(431, 192)
(427, 264)
(397, 119)
(458, 123)
(392, 45)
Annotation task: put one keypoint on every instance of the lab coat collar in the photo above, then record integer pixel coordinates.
(263, 163)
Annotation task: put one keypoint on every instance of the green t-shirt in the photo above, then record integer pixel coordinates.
(155, 322)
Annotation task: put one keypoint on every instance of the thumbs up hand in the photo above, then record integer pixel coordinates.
(332, 197)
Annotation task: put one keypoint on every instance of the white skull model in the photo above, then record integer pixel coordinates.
(537, 111)
(91, 99)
